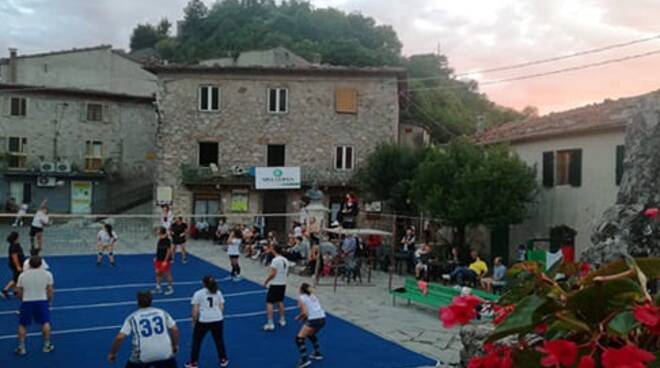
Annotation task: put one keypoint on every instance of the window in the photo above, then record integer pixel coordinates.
(208, 153)
(344, 158)
(209, 98)
(21, 192)
(207, 206)
(18, 106)
(277, 100)
(93, 155)
(94, 112)
(17, 153)
(346, 100)
(275, 155)
(620, 155)
(562, 168)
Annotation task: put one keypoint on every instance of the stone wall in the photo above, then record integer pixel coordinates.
(311, 129)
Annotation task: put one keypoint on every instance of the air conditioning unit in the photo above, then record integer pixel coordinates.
(47, 167)
(238, 171)
(46, 181)
(63, 167)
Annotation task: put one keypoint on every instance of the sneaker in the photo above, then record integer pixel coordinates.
(304, 363)
(224, 362)
(48, 348)
(237, 278)
(316, 356)
(169, 291)
(282, 322)
(191, 365)
(184, 260)
(112, 264)
(20, 351)
(4, 294)
(269, 327)
(98, 264)
(157, 290)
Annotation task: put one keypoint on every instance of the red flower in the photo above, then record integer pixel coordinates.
(461, 311)
(501, 313)
(585, 268)
(652, 213)
(560, 352)
(541, 328)
(628, 356)
(496, 357)
(649, 316)
(587, 362)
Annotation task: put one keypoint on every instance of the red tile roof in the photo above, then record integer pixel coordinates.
(604, 116)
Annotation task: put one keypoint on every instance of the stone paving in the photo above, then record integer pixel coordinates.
(369, 307)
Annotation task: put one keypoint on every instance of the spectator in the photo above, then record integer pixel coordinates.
(202, 227)
(11, 206)
(423, 260)
(469, 275)
(349, 246)
(408, 248)
(18, 221)
(521, 255)
(222, 232)
(499, 272)
(314, 257)
(349, 212)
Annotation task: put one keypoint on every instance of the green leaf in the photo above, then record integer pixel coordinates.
(649, 266)
(595, 302)
(522, 319)
(623, 323)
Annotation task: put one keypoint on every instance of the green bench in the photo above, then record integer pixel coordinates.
(437, 296)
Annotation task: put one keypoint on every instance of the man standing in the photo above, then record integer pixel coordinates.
(16, 259)
(155, 336)
(179, 231)
(162, 263)
(276, 284)
(35, 290)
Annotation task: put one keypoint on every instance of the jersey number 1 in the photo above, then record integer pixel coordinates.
(210, 299)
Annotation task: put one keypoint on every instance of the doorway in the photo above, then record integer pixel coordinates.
(275, 202)
(499, 242)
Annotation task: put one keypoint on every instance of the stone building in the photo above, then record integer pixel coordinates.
(77, 128)
(223, 125)
(579, 160)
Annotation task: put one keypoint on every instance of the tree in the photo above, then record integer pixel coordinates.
(143, 36)
(386, 175)
(464, 184)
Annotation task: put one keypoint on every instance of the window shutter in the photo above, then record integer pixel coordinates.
(548, 169)
(107, 117)
(575, 168)
(620, 155)
(283, 100)
(215, 98)
(272, 100)
(346, 100)
(203, 98)
(4, 105)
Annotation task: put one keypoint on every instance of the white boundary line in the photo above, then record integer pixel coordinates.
(117, 327)
(129, 286)
(133, 302)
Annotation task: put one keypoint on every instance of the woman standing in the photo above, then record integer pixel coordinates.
(16, 258)
(37, 229)
(314, 316)
(234, 252)
(105, 242)
(208, 305)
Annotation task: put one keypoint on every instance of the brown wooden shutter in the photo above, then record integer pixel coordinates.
(575, 168)
(548, 169)
(346, 100)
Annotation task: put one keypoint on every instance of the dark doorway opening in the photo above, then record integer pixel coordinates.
(275, 202)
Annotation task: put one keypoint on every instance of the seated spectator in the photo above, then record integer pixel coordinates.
(521, 253)
(499, 272)
(348, 246)
(471, 274)
(222, 232)
(202, 227)
(423, 259)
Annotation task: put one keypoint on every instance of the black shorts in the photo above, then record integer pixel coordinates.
(176, 240)
(234, 257)
(275, 294)
(169, 363)
(316, 324)
(35, 230)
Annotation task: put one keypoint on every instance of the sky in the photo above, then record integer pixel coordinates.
(473, 34)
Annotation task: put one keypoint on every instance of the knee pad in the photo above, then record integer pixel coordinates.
(111, 254)
(300, 341)
(313, 338)
(100, 254)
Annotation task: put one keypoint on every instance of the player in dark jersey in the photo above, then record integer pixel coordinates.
(179, 231)
(16, 258)
(163, 261)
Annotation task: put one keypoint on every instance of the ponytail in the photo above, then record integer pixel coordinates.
(210, 284)
(306, 289)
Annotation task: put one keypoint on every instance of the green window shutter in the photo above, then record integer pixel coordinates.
(548, 169)
(575, 168)
(620, 155)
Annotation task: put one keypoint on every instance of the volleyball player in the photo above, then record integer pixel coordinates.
(208, 306)
(179, 230)
(16, 259)
(234, 252)
(155, 336)
(314, 316)
(166, 217)
(39, 221)
(162, 263)
(105, 242)
(276, 284)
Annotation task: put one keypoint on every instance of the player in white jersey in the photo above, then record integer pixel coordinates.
(234, 252)
(313, 314)
(208, 306)
(154, 333)
(166, 217)
(105, 242)
(39, 221)
(276, 284)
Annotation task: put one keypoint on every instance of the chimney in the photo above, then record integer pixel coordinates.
(12, 75)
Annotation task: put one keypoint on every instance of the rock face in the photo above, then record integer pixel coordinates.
(623, 228)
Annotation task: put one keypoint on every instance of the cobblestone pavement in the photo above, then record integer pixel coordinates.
(369, 307)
